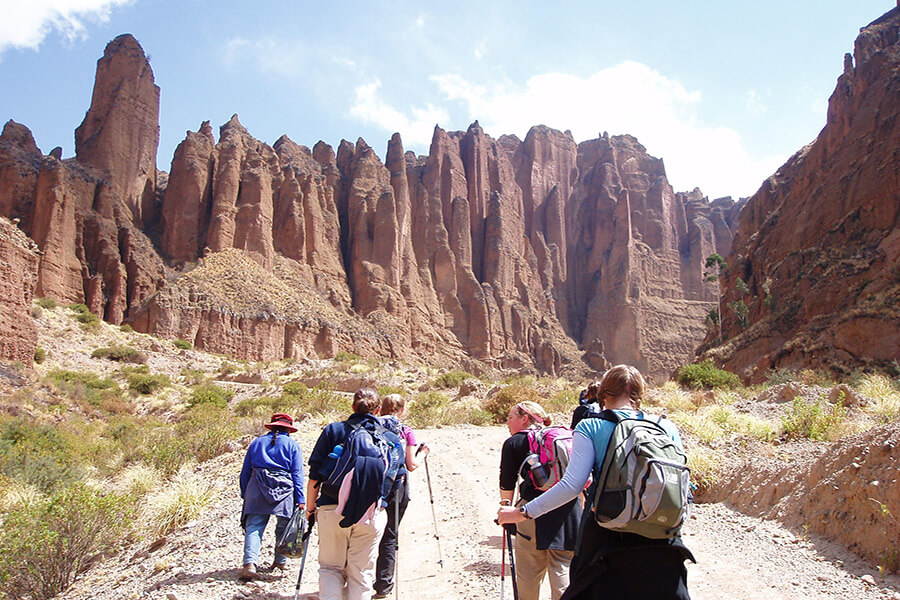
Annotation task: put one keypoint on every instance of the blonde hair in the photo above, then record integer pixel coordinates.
(534, 411)
(366, 400)
(623, 380)
(392, 404)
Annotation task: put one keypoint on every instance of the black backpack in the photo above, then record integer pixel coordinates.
(366, 439)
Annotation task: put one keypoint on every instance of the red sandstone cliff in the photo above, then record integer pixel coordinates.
(818, 246)
(511, 253)
(18, 275)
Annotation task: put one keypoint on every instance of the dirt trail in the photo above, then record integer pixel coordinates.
(738, 557)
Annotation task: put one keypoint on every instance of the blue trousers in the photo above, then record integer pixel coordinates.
(254, 527)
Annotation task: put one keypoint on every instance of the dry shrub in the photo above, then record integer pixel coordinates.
(886, 394)
(705, 470)
(178, 502)
(499, 403)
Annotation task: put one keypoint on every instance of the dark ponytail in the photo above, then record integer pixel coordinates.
(275, 433)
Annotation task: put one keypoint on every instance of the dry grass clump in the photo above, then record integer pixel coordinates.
(499, 403)
(720, 421)
(433, 409)
(17, 494)
(706, 470)
(886, 394)
(180, 501)
(138, 480)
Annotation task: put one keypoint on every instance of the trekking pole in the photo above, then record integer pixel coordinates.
(512, 561)
(311, 522)
(433, 516)
(397, 544)
(502, 564)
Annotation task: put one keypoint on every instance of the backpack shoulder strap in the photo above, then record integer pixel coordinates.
(607, 414)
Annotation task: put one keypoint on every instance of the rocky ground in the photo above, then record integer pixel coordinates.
(738, 556)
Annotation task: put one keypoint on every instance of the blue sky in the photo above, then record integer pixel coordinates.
(724, 92)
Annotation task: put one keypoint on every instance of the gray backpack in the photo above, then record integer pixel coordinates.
(644, 483)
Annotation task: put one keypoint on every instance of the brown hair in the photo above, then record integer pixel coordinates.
(623, 380)
(534, 411)
(366, 400)
(392, 404)
(593, 391)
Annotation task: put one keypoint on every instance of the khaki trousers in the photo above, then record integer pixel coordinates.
(347, 555)
(532, 564)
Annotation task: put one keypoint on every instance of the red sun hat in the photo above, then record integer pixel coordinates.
(282, 420)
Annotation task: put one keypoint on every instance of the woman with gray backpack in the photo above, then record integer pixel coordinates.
(545, 545)
(630, 545)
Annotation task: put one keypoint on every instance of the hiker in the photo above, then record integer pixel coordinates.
(543, 545)
(608, 563)
(589, 404)
(350, 512)
(271, 485)
(393, 408)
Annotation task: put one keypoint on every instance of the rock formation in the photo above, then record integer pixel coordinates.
(503, 252)
(18, 275)
(813, 277)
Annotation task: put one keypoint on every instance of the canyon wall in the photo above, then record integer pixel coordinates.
(813, 279)
(536, 253)
(18, 275)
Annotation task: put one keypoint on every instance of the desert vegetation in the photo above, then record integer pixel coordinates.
(99, 449)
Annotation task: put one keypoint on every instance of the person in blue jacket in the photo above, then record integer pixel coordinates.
(271, 485)
(611, 564)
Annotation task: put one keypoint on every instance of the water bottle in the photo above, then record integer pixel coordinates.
(336, 453)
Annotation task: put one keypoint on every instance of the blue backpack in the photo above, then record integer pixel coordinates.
(368, 439)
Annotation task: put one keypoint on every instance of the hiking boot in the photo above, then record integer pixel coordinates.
(248, 572)
(277, 567)
(381, 595)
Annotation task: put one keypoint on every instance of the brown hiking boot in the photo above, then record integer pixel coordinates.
(277, 567)
(248, 572)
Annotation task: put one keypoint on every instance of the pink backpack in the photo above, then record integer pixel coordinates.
(550, 448)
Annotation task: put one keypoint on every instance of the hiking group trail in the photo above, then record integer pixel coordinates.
(738, 556)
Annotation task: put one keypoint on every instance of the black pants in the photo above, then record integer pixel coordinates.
(387, 549)
(617, 566)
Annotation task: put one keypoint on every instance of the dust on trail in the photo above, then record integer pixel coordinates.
(738, 557)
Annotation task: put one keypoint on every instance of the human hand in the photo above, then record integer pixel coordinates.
(423, 449)
(509, 515)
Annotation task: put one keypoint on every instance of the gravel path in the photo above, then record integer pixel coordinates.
(738, 556)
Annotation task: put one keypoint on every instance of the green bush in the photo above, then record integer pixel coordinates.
(427, 409)
(706, 375)
(37, 454)
(387, 390)
(40, 355)
(780, 375)
(126, 328)
(507, 397)
(250, 407)
(347, 357)
(45, 545)
(46, 303)
(817, 420)
(120, 354)
(90, 391)
(294, 388)
(451, 379)
(146, 383)
(86, 378)
(183, 344)
(88, 320)
(193, 376)
(210, 393)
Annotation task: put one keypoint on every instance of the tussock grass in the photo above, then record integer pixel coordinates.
(17, 494)
(817, 420)
(721, 421)
(706, 375)
(499, 403)
(450, 379)
(138, 480)
(706, 470)
(886, 394)
(180, 501)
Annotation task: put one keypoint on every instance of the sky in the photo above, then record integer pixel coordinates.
(723, 92)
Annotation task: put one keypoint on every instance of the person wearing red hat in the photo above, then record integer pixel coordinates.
(271, 485)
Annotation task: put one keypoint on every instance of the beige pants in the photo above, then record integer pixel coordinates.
(532, 564)
(347, 555)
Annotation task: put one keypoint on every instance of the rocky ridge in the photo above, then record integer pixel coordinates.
(813, 277)
(505, 253)
(18, 273)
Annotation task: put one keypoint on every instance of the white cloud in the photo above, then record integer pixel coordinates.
(26, 23)
(480, 49)
(416, 129)
(627, 98)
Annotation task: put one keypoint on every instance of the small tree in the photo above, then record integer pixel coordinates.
(713, 267)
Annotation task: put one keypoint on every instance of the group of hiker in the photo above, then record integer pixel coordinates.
(596, 508)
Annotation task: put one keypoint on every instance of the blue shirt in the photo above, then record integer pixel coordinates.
(284, 455)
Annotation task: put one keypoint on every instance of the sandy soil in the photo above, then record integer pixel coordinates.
(738, 556)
